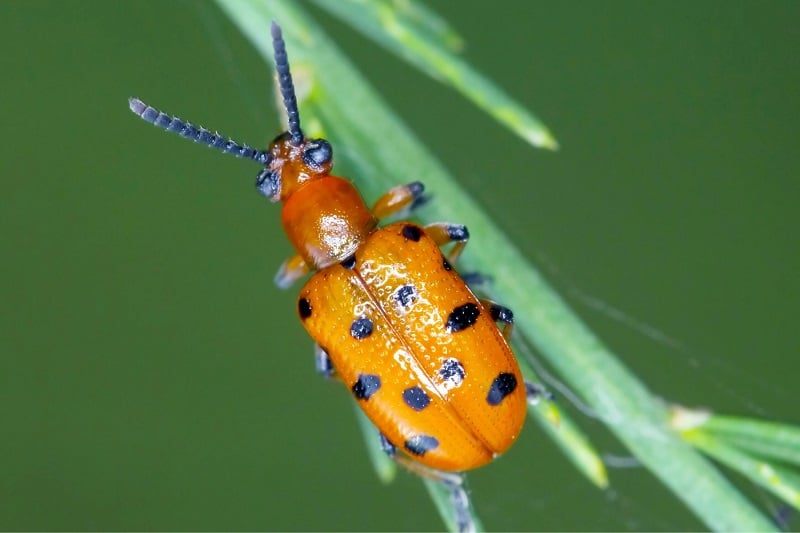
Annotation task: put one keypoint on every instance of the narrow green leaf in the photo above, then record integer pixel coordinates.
(378, 141)
(572, 441)
(406, 37)
(776, 479)
(384, 466)
(761, 447)
(780, 441)
(563, 430)
(789, 435)
(765, 439)
(425, 20)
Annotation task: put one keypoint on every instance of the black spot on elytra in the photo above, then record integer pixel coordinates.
(304, 308)
(419, 444)
(462, 317)
(412, 233)
(366, 386)
(406, 295)
(446, 264)
(453, 372)
(349, 262)
(361, 328)
(503, 385)
(416, 398)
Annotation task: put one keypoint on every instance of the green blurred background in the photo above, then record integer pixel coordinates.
(149, 369)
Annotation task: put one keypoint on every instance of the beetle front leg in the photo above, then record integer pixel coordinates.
(290, 271)
(397, 199)
(452, 481)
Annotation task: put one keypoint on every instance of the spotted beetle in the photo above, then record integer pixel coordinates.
(392, 320)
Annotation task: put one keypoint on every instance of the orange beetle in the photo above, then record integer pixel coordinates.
(422, 355)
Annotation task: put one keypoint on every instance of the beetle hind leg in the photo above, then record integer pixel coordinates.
(501, 315)
(322, 362)
(453, 482)
(476, 280)
(536, 393)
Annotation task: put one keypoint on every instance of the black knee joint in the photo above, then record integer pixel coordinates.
(419, 198)
(457, 232)
(502, 314)
(416, 188)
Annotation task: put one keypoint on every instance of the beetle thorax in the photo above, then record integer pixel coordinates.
(324, 216)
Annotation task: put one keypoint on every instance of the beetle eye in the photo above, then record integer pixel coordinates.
(317, 153)
(268, 184)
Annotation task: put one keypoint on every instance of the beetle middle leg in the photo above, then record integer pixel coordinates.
(505, 317)
(500, 314)
(444, 233)
(452, 481)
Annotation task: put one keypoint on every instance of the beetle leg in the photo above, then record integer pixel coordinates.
(397, 199)
(290, 271)
(452, 481)
(536, 393)
(476, 279)
(500, 314)
(322, 362)
(387, 446)
(444, 233)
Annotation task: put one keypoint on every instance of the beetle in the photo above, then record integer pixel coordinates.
(427, 360)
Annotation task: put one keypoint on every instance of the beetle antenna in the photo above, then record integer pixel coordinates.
(286, 85)
(201, 135)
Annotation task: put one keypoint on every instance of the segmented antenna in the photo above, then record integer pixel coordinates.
(286, 85)
(197, 134)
